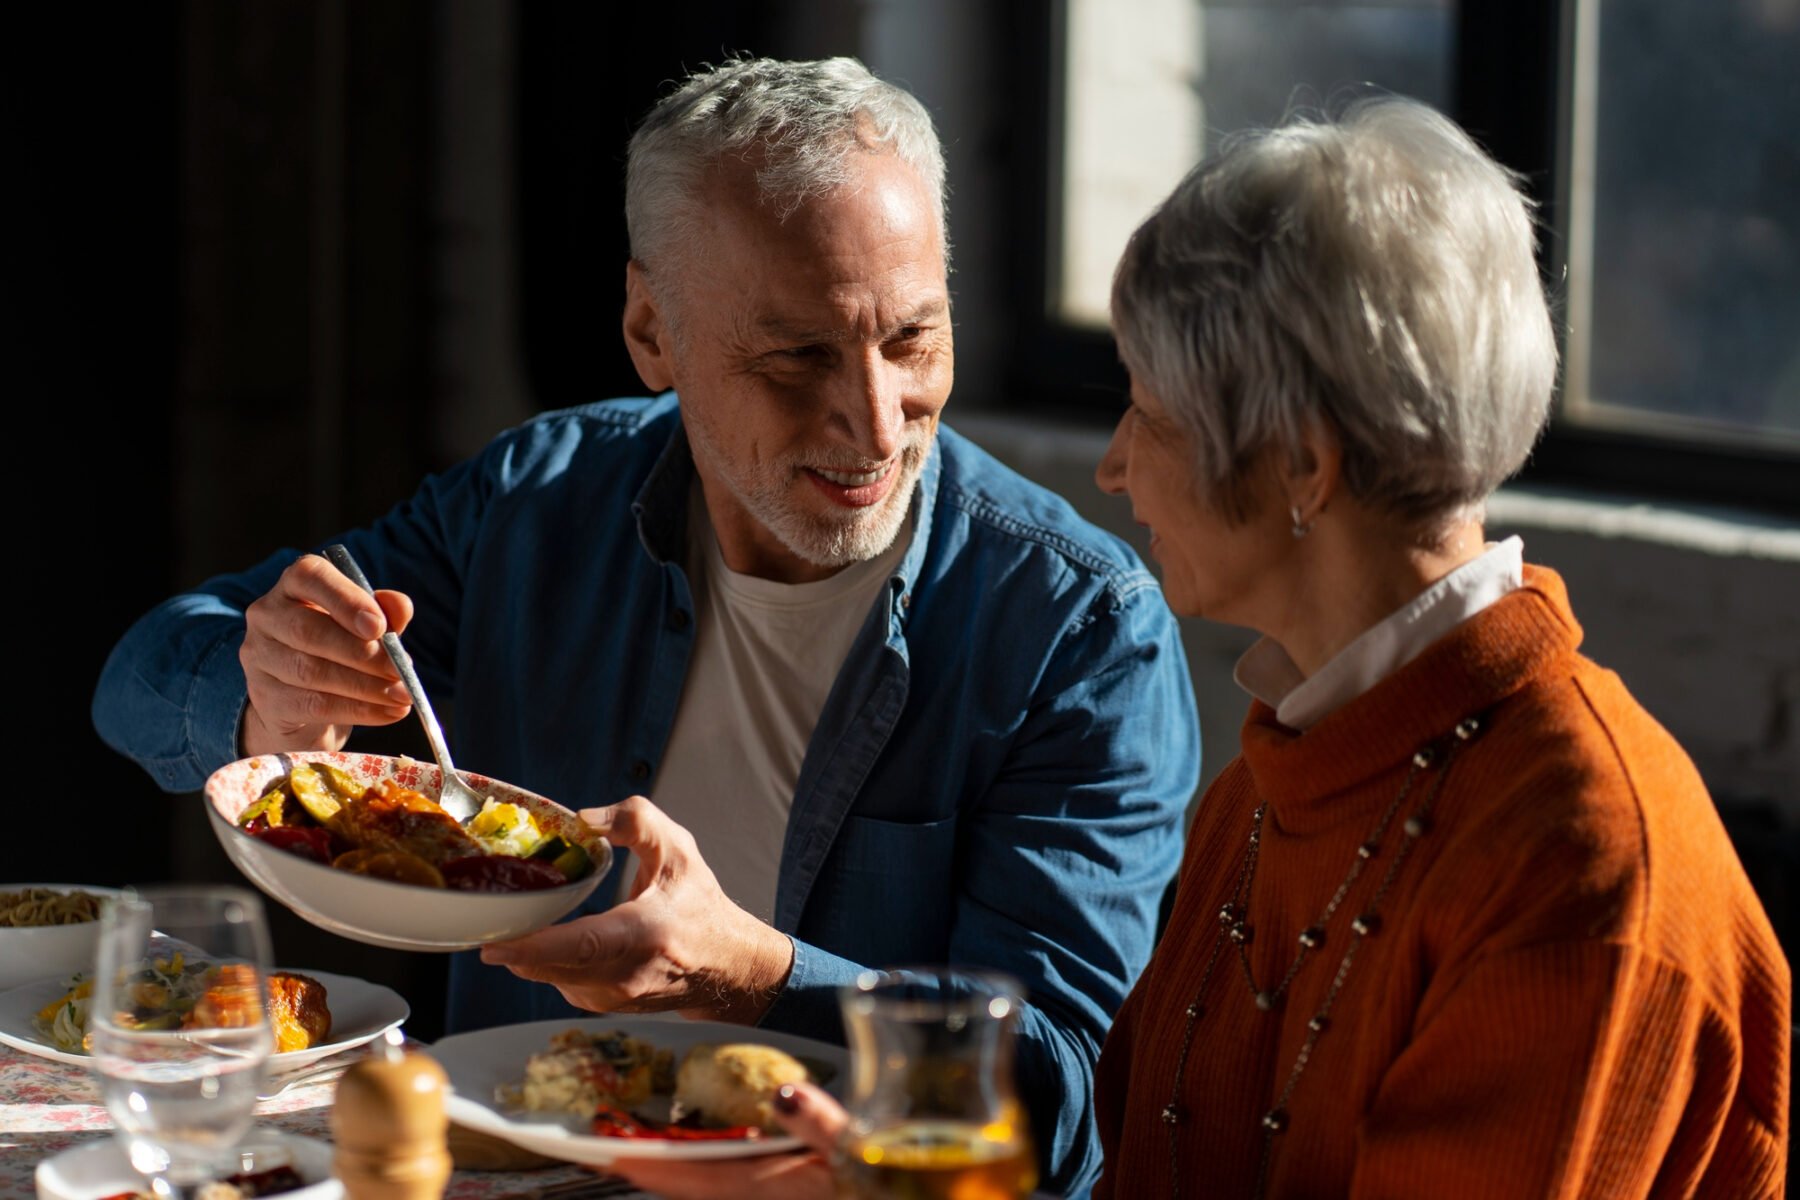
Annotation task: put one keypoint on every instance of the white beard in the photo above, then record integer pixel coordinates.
(835, 538)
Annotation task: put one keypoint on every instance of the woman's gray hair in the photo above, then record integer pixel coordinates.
(1376, 273)
(799, 122)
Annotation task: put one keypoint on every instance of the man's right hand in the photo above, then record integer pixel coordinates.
(313, 662)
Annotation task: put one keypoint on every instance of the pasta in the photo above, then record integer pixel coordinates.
(46, 906)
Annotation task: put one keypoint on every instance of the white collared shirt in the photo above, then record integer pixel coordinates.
(1266, 671)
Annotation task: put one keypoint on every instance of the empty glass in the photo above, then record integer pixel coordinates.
(178, 1025)
(934, 1110)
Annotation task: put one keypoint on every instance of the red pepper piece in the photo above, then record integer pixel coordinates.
(616, 1122)
(500, 873)
(306, 841)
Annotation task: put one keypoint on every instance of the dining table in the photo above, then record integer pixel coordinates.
(47, 1107)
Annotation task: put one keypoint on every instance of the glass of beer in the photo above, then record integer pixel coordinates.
(934, 1109)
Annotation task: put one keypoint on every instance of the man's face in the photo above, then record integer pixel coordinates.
(813, 359)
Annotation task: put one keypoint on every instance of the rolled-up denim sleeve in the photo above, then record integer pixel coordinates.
(171, 695)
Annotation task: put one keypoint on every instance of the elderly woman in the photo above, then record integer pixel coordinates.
(1461, 920)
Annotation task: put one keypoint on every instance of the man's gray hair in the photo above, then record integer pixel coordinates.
(1375, 272)
(799, 123)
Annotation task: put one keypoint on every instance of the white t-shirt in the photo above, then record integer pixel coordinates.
(765, 657)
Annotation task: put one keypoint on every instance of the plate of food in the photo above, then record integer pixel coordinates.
(317, 1014)
(269, 1163)
(357, 844)
(592, 1090)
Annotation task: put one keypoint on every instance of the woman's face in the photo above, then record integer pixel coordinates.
(1210, 567)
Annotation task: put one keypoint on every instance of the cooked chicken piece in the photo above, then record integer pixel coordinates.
(391, 817)
(229, 1001)
(298, 1011)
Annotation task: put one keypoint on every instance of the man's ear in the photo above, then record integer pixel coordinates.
(1312, 476)
(647, 335)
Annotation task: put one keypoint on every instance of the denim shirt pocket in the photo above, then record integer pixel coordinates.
(888, 890)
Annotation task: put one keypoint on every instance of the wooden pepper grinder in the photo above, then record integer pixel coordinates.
(388, 1126)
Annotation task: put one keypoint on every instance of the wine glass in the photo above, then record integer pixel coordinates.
(934, 1108)
(179, 1027)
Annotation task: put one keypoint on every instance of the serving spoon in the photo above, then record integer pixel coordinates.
(455, 797)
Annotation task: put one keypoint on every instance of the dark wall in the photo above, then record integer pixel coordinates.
(91, 293)
(224, 297)
(587, 74)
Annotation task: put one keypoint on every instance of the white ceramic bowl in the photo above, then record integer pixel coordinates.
(396, 915)
(34, 952)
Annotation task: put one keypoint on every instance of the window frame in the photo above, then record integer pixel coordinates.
(1512, 90)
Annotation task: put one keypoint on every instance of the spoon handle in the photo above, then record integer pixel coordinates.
(339, 557)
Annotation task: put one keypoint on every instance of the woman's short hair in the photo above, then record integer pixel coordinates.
(799, 122)
(1375, 272)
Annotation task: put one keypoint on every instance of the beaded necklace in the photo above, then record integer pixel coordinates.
(1234, 927)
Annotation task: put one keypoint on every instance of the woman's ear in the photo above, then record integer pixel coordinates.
(647, 335)
(1312, 475)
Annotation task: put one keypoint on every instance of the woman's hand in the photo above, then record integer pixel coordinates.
(805, 1111)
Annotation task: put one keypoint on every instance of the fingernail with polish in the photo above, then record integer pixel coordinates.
(787, 1100)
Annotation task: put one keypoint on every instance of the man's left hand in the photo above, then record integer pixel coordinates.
(678, 943)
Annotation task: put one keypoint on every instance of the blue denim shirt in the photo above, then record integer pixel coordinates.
(998, 776)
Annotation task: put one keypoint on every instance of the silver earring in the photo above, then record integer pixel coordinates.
(1301, 528)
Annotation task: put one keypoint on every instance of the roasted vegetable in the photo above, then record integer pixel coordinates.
(565, 856)
(501, 873)
(394, 832)
(267, 813)
(308, 841)
(396, 866)
(617, 1123)
(392, 817)
(314, 794)
(505, 829)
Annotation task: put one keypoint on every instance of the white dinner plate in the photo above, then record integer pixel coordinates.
(480, 1063)
(360, 1013)
(97, 1169)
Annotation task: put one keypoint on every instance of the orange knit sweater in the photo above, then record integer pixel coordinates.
(1572, 990)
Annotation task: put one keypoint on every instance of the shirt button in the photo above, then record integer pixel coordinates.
(678, 619)
(640, 770)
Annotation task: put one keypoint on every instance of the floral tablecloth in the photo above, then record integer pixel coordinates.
(47, 1107)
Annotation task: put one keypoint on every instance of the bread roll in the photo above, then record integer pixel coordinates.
(735, 1084)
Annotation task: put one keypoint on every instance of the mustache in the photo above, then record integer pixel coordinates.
(911, 450)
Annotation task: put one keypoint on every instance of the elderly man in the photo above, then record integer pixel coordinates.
(892, 703)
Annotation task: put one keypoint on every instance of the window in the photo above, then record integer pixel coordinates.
(1149, 87)
(1659, 140)
(1683, 193)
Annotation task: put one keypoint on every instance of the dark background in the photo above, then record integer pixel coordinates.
(220, 294)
